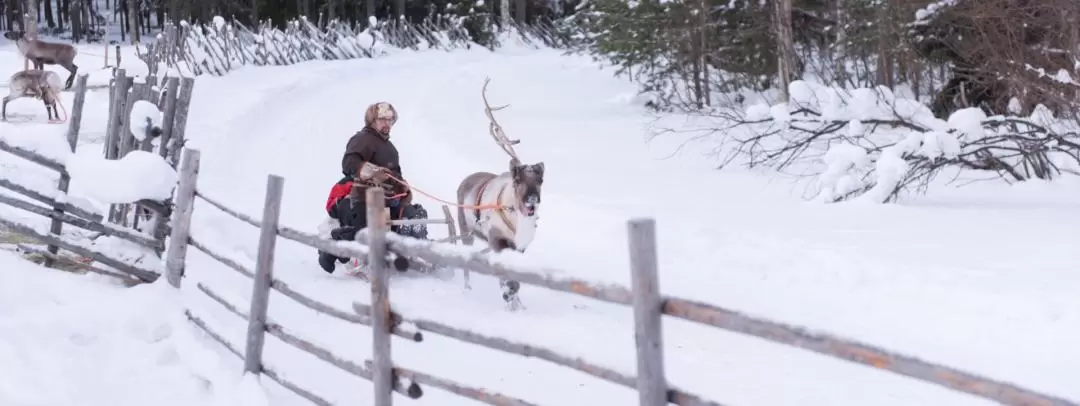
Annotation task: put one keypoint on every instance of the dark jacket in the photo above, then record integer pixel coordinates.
(367, 145)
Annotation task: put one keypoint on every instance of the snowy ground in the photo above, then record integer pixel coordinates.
(981, 278)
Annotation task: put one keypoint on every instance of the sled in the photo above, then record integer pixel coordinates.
(403, 264)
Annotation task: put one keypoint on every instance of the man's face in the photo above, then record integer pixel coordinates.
(383, 124)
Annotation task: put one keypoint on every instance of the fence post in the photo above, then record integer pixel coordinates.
(179, 125)
(648, 311)
(75, 121)
(382, 374)
(169, 115)
(264, 274)
(180, 222)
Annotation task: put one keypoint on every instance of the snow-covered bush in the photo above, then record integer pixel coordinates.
(870, 145)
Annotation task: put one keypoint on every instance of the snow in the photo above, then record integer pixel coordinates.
(84, 340)
(138, 175)
(144, 113)
(981, 278)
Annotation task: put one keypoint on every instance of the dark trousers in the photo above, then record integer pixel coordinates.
(352, 214)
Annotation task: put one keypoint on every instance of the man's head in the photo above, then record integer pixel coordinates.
(381, 116)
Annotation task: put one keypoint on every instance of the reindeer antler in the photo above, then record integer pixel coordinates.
(494, 128)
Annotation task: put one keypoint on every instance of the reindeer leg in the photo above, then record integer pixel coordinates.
(74, 69)
(3, 110)
(509, 287)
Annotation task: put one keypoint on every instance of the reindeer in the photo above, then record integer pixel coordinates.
(39, 84)
(43, 53)
(501, 209)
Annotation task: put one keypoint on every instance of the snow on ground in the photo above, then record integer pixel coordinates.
(85, 340)
(981, 278)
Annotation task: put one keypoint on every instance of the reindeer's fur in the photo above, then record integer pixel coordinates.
(518, 190)
(513, 225)
(44, 85)
(43, 53)
(500, 209)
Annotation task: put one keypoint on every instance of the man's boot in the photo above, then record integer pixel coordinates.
(326, 261)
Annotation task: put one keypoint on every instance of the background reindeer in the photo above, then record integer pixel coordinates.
(44, 85)
(501, 209)
(43, 53)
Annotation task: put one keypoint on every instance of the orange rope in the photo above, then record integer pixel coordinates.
(494, 206)
(60, 102)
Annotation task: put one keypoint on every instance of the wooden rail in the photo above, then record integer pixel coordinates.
(644, 296)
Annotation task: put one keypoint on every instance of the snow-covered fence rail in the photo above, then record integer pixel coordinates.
(218, 48)
(55, 206)
(644, 296)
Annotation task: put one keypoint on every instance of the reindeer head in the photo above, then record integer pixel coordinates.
(527, 181)
(15, 35)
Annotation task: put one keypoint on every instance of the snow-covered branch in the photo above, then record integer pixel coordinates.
(868, 144)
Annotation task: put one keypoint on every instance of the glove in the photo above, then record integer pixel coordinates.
(374, 173)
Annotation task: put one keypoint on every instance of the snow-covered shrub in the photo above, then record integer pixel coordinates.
(867, 144)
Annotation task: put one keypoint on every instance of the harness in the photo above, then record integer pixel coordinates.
(498, 198)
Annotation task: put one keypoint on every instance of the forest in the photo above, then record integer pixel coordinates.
(712, 58)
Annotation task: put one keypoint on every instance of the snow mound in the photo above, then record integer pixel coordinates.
(138, 175)
(144, 113)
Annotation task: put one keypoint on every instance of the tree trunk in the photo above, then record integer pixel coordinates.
(504, 14)
(133, 20)
(785, 47)
(49, 20)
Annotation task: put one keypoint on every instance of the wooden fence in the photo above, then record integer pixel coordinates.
(122, 222)
(649, 307)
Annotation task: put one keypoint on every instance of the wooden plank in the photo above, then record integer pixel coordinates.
(383, 367)
(176, 252)
(264, 268)
(358, 318)
(478, 394)
(313, 398)
(32, 157)
(103, 228)
(171, 86)
(127, 279)
(33, 194)
(141, 273)
(648, 307)
(74, 122)
(280, 332)
(346, 249)
(225, 209)
(865, 354)
(481, 263)
(183, 103)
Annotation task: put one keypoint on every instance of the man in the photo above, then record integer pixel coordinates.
(370, 160)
